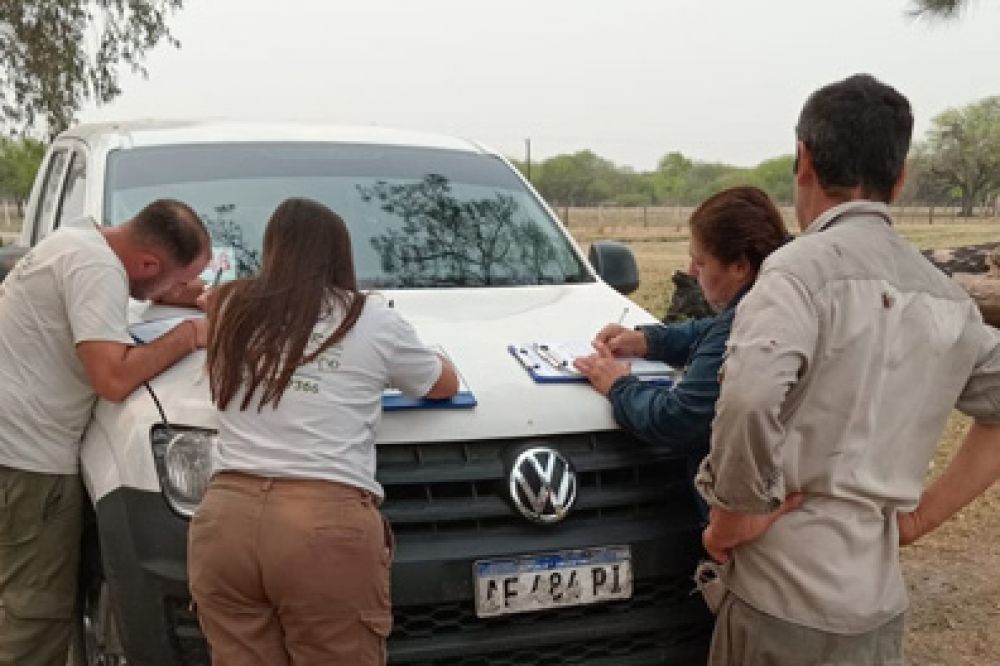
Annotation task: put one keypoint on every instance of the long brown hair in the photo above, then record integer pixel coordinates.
(259, 326)
(739, 223)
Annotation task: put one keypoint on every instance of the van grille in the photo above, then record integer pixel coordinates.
(460, 486)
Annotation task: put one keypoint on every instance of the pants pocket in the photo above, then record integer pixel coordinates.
(389, 552)
(22, 506)
(379, 626)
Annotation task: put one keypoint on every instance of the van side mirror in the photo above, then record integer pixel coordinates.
(615, 263)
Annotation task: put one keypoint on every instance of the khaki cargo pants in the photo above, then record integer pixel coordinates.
(745, 636)
(289, 572)
(40, 524)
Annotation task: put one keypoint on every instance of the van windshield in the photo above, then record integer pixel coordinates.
(418, 217)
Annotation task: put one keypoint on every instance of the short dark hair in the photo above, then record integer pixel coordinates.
(739, 223)
(858, 133)
(173, 226)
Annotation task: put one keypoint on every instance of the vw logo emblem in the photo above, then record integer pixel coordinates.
(542, 485)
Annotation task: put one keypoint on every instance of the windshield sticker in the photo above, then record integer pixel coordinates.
(222, 267)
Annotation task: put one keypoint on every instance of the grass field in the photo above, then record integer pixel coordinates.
(954, 618)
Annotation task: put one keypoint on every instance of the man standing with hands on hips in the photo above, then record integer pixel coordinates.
(844, 362)
(63, 342)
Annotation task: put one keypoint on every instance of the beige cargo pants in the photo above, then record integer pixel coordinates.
(290, 572)
(40, 523)
(746, 637)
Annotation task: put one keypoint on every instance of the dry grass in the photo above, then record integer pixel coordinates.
(951, 574)
(661, 249)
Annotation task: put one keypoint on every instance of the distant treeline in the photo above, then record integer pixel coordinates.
(586, 179)
(956, 164)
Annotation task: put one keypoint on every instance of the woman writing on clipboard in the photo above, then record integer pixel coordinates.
(288, 554)
(732, 233)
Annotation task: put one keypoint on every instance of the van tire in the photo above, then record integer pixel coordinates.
(96, 640)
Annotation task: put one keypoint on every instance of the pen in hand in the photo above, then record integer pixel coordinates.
(217, 278)
(621, 319)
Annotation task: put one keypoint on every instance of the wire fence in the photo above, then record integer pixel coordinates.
(677, 216)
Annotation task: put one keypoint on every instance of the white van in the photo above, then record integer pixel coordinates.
(468, 253)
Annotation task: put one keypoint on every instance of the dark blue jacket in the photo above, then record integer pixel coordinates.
(678, 418)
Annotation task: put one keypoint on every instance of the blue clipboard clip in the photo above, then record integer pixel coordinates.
(548, 367)
(543, 367)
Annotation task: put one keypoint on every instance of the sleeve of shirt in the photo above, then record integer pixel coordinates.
(96, 300)
(677, 418)
(772, 342)
(413, 367)
(980, 398)
(672, 344)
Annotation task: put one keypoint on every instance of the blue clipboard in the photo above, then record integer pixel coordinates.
(147, 331)
(394, 401)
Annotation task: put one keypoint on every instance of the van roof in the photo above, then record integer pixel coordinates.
(171, 132)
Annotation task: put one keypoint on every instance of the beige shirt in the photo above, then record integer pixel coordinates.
(69, 289)
(844, 363)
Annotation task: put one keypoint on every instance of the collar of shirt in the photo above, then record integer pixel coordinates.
(850, 208)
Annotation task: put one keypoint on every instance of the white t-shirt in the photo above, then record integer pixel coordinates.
(70, 288)
(324, 426)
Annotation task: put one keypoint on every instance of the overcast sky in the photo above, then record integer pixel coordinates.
(718, 80)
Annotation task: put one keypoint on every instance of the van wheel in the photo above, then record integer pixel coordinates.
(101, 644)
(97, 641)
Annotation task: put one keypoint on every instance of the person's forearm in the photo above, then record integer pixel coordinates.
(729, 529)
(142, 362)
(974, 468)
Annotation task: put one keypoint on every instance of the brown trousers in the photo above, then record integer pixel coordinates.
(288, 572)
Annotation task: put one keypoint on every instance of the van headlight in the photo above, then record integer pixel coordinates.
(183, 458)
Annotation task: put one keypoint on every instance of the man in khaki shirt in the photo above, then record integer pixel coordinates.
(843, 365)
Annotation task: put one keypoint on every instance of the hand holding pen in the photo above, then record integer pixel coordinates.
(622, 341)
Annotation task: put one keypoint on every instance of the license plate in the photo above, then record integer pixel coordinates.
(552, 580)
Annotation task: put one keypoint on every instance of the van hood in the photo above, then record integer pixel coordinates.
(475, 327)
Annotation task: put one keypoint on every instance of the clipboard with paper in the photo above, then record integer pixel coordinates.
(550, 361)
(394, 400)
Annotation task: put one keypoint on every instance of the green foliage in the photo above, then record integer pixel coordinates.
(961, 157)
(585, 179)
(59, 53)
(580, 179)
(19, 160)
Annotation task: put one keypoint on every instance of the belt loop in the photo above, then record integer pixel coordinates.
(266, 485)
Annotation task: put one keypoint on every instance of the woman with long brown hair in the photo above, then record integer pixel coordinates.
(288, 554)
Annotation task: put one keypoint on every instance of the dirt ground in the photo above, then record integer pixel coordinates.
(953, 576)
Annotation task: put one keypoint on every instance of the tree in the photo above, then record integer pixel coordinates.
(937, 8)
(775, 177)
(580, 179)
(19, 160)
(963, 153)
(59, 53)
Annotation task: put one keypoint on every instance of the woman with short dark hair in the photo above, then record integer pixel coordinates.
(732, 232)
